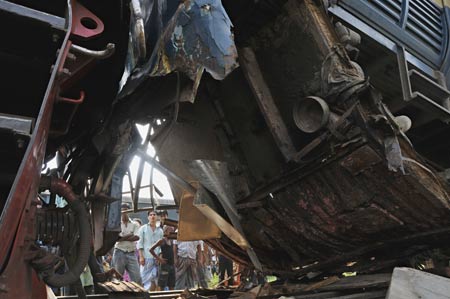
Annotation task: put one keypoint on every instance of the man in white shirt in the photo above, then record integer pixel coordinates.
(124, 256)
(149, 234)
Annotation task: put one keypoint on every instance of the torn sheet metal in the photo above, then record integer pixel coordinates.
(339, 73)
(393, 154)
(215, 177)
(207, 206)
(191, 37)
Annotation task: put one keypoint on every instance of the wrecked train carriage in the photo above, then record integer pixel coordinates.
(327, 136)
(327, 144)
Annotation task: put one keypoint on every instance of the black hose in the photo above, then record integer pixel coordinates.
(70, 277)
(62, 188)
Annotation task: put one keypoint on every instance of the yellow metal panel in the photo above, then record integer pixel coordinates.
(192, 224)
(201, 222)
(225, 226)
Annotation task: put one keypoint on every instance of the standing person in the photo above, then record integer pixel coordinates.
(138, 221)
(87, 281)
(214, 268)
(166, 260)
(185, 254)
(124, 257)
(163, 215)
(149, 234)
(201, 267)
(225, 265)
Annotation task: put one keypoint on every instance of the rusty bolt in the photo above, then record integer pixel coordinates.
(20, 143)
(71, 56)
(66, 72)
(55, 38)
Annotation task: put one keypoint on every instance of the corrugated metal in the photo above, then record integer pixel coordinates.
(423, 19)
(391, 9)
(425, 22)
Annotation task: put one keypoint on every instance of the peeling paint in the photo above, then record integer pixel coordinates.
(197, 36)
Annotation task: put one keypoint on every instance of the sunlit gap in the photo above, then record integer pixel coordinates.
(162, 193)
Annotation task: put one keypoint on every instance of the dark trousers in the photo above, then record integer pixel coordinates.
(226, 265)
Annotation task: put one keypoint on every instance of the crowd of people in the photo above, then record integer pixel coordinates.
(145, 254)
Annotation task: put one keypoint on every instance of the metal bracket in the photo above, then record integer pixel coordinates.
(421, 91)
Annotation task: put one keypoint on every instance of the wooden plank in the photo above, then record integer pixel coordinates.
(266, 102)
(324, 295)
(366, 295)
(321, 284)
(359, 282)
(409, 283)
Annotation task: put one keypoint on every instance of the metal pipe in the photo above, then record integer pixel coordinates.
(137, 184)
(101, 54)
(136, 11)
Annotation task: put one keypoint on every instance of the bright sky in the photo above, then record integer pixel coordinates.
(159, 180)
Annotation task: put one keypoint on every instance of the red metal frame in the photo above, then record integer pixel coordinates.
(81, 17)
(17, 222)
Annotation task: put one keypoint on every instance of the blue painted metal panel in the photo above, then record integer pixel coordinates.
(446, 57)
(189, 37)
(417, 25)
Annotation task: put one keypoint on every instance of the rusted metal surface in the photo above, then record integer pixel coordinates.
(309, 16)
(350, 196)
(343, 200)
(335, 211)
(288, 178)
(17, 218)
(360, 159)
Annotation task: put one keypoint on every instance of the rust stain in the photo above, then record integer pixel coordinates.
(335, 211)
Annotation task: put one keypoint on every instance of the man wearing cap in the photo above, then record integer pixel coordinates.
(124, 257)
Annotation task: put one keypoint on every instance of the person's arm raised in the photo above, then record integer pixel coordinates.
(153, 253)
